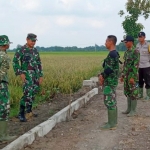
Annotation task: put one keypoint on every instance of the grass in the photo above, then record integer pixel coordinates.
(63, 72)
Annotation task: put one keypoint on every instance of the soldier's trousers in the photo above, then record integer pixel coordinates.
(30, 88)
(109, 91)
(130, 90)
(4, 101)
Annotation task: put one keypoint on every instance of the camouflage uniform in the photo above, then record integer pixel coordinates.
(130, 70)
(110, 75)
(130, 75)
(31, 67)
(27, 61)
(4, 93)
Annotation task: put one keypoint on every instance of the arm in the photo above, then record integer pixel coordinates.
(4, 67)
(39, 65)
(122, 70)
(135, 67)
(111, 63)
(16, 65)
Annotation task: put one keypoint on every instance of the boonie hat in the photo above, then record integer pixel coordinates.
(4, 40)
(32, 37)
(128, 38)
(141, 34)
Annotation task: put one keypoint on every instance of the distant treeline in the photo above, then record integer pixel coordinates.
(119, 47)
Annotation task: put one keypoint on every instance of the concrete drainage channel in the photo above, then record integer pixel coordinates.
(45, 127)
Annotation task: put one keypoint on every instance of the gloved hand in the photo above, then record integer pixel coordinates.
(131, 81)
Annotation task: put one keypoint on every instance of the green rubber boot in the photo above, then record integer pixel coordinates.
(133, 108)
(116, 121)
(128, 106)
(148, 94)
(112, 118)
(4, 132)
(140, 93)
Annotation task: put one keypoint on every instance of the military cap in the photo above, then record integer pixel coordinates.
(32, 36)
(4, 40)
(128, 38)
(141, 34)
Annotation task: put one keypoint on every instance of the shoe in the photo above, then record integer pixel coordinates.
(4, 132)
(21, 115)
(133, 108)
(112, 119)
(29, 112)
(140, 95)
(128, 106)
(148, 94)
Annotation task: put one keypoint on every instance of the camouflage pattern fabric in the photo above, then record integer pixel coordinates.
(130, 70)
(4, 101)
(4, 40)
(30, 88)
(4, 93)
(110, 75)
(31, 67)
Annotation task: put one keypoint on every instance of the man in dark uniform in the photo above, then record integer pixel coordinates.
(30, 72)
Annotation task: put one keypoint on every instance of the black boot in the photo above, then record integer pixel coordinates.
(21, 115)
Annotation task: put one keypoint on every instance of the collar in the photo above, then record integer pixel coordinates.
(145, 43)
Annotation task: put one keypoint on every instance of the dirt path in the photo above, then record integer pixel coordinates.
(83, 132)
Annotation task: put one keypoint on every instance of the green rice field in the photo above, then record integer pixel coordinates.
(63, 72)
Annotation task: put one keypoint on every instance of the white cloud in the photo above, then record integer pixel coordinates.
(40, 27)
(97, 24)
(64, 21)
(32, 5)
(90, 6)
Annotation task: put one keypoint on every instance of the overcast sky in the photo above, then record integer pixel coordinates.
(63, 22)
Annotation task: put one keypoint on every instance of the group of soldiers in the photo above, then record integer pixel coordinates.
(135, 73)
(27, 65)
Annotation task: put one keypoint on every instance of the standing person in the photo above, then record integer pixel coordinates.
(27, 65)
(109, 80)
(144, 65)
(130, 75)
(4, 93)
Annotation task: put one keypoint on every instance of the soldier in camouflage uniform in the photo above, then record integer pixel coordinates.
(4, 93)
(31, 73)
(109, 81)
(130, 75)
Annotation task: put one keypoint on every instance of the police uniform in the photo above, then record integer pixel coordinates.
(144, 67)
(130, 71)
(32, 69)
(4, 93)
